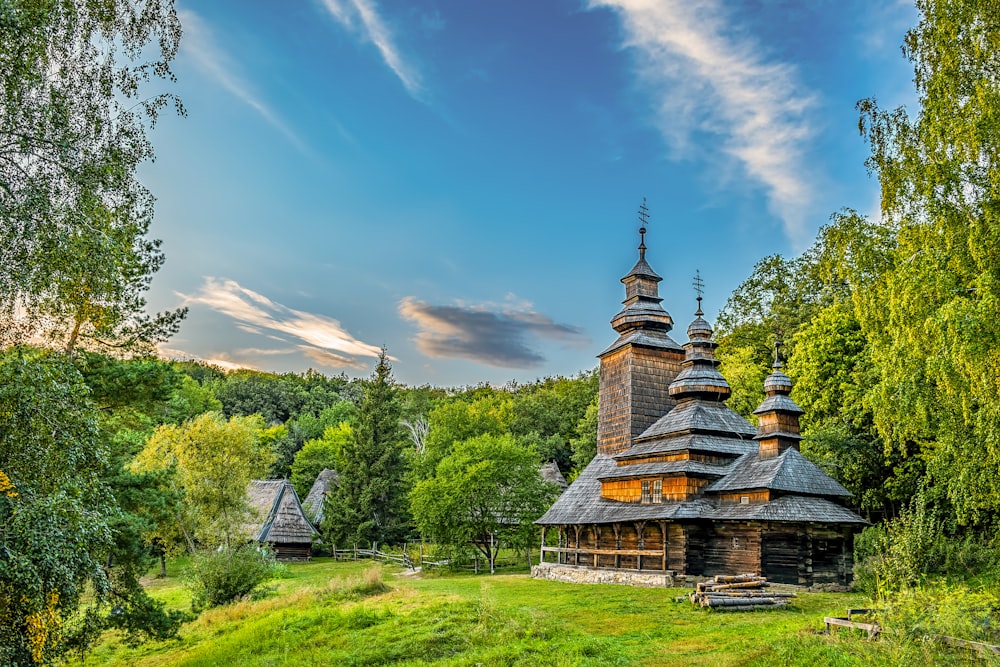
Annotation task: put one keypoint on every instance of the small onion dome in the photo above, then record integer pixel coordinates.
(700, 329)
(777, 383)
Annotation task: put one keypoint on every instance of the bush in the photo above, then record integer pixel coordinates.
(897, 555)
(222, 576)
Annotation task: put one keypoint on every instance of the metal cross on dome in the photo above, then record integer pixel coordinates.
(699, 289)
(643, 219)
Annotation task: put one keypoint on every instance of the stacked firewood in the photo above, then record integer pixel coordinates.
(741, 592)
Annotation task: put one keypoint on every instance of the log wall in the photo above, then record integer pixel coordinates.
(733, 548)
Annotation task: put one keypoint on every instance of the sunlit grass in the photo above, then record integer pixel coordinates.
(363, 614)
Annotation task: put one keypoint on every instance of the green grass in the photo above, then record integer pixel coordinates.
(348, 614)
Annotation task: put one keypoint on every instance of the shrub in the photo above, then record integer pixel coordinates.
(222, 576)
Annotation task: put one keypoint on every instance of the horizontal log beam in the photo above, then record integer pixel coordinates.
(605, 552)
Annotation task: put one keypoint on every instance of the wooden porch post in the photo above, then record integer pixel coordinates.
(640, 529)
(541, 551)
(618, 544)
(663, 536)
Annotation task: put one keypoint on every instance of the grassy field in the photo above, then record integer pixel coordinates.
(326, 613)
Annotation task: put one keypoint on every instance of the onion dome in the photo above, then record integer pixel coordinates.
(642, 298)
(699, 376)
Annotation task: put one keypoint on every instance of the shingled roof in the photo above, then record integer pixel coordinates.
(790, 472)
(582, 503)
(313, 504)
(692, 442)
(698, 416)
(550, 473)
(277, 514)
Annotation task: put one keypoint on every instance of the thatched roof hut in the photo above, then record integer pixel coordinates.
(321, 488)
(278, 519)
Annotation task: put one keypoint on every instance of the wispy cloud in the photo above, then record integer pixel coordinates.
(199, 43)
(363, 19)
(320, 338)
(489, 334)
(705, 77)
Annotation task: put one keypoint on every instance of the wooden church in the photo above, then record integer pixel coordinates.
(681, 484)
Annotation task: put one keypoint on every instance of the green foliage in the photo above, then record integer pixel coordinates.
(303, 428)
(316, 455)
(895, 556)
(368, 504)
(550, 410)
(931, 315)
(214, 460)
(56, 513)
(189, 400)
(954, 610)
(584, 441)
(225, 575)
(73, 122)
(487, 413)
(487, 492)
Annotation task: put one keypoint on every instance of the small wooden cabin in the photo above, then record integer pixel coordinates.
(683, 485)
(278, 519)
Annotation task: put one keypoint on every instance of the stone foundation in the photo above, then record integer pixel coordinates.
(586, 575)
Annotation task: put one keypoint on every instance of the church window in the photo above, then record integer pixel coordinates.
(657, 490)
(645, 491)
(736, 543)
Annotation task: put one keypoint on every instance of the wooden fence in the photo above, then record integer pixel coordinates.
(419, 561)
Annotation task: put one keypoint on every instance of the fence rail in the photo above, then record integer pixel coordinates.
(406, 560)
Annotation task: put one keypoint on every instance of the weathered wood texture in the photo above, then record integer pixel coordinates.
(674, 488)
(775, 422)
(633, 390)
(744, 592)
(678, 456)
(750, 496)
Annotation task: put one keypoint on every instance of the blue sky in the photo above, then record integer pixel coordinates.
(459, 180)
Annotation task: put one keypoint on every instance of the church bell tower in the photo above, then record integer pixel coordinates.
(637, 369)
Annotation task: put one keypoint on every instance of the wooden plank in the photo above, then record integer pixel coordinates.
(871, 628)
(981, 647)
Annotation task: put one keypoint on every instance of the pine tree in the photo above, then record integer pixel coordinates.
(369, 504)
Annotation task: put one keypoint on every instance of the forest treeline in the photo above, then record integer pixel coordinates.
(111, 458)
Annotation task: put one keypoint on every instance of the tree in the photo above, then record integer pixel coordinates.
(75, 261)
(319, 454)
(369, 502)
(550, 410)
(215, 460)
(931, 316)
(55, 511)
(584, 441)
(487, 492)
(460, 419)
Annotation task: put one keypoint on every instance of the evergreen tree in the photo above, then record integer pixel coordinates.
(369, 504)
